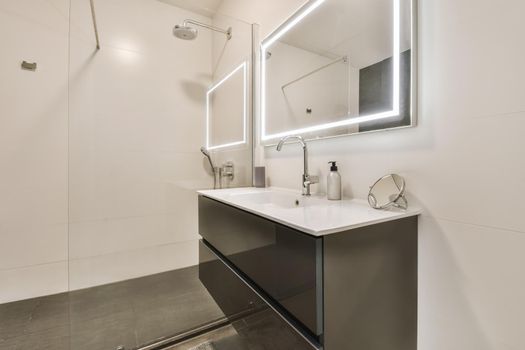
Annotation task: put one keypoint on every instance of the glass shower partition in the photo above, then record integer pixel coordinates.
(140, 109)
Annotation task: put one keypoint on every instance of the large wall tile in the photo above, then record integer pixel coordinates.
(30, 243)
(33, 281)
(470, 285)
(105, 141)
(93, 271)
(33, 149)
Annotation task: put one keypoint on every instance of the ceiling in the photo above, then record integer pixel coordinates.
(204, 7)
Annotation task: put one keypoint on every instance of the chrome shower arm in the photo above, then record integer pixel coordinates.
(94, 18)
(228, 31)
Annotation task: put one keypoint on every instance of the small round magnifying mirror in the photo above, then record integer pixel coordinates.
(388, 191)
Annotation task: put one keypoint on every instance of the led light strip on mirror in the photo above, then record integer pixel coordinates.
(244, 67)
(300, 15)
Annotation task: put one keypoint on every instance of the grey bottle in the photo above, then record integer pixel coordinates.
(333, 182)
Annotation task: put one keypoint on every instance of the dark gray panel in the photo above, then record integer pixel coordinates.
(375, 93)
(370, 294)
(38, 323)
(280, 260)
(231, 296)
(257, 326)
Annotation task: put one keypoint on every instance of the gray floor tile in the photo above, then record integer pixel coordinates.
(49, 339)
(128, 313)
(51, 312)
(14, 317)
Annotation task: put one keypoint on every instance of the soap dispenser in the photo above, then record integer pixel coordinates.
(333, 182)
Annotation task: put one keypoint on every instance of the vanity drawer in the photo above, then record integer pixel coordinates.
(286, 264)
(256, 324)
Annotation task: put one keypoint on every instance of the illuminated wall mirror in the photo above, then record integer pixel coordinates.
(227, 109)
(339, 67)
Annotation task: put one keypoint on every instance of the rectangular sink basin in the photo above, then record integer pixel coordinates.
(282, 199)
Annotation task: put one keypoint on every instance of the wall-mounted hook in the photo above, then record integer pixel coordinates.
(28, 65)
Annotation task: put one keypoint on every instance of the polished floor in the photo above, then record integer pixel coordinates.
(129, 313)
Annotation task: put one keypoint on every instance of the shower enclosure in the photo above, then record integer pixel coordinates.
(137, 122)
(113, 121)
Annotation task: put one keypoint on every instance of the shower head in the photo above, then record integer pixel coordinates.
(213, 168)
(185, 32)
(207, 155)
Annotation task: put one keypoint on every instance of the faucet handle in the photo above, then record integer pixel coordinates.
(227, 170)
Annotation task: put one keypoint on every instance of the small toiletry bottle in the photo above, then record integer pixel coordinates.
(333, 182)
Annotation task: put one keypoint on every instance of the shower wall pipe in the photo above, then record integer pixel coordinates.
(228, 31)
(94, 22)
(343, 59)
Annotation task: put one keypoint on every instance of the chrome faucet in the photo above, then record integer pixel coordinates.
(307, 178)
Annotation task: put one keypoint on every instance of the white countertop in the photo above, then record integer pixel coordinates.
(314, 215)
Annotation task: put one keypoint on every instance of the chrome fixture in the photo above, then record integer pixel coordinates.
(185, 32)
(307, 178)
(94, 23)
(388, 191)
(227, 171)
(213, 167)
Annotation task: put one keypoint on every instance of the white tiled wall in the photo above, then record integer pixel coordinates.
(33, 148)
(129, 263)
(464, 164)
(136, 127)
(108, 138)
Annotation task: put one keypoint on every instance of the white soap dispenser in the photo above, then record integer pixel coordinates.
(333, 182)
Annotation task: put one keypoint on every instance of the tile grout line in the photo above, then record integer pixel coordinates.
(68, 138)
(67, 260)
(34, 265)
(136, 249)
(473, 224)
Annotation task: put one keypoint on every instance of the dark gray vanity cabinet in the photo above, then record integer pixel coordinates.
(350, 290)
(283, 262)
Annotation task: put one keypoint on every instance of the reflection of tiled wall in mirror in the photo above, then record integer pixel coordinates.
(375, 93)
(227, 110)
(296, 100)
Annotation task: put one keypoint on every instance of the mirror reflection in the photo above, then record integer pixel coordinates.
(226, 109)
(338, 67)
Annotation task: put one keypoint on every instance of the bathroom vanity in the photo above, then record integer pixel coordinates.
(308, 272)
